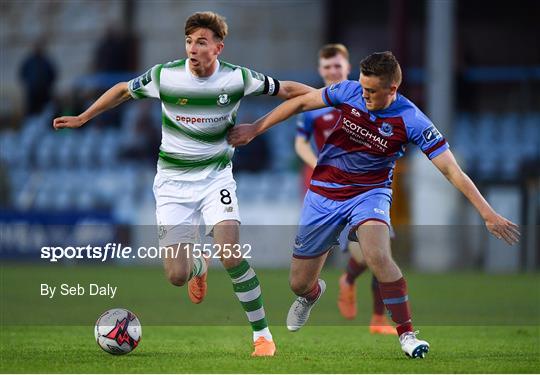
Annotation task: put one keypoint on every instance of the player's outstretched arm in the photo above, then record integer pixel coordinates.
(291, 89)
(499, 226)
(243, 134)
(111, 98)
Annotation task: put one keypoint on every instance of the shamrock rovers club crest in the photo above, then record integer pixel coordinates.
(162, 232)
(223, 99)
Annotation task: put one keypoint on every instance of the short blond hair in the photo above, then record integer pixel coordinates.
(331, 50)
(207, 20)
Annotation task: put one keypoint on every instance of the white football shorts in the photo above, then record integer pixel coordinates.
(180, 206)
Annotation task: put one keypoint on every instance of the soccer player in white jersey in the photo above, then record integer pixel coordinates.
(200, 96)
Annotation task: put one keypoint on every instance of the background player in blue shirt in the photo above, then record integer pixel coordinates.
(351, 185)
(334, 67)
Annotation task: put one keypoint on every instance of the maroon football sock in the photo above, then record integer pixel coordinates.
(378, 304)
(354, 269)
(314, 293)
(396, 300)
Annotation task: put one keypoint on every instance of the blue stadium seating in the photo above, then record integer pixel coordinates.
(81, 169)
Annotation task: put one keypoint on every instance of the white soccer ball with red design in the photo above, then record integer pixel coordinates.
(118, 331)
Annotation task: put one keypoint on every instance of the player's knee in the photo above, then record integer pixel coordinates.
(177, 278)
(377, 259)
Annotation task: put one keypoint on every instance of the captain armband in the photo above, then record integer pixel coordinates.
(271, 86)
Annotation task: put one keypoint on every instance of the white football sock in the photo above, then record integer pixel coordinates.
(265, 332)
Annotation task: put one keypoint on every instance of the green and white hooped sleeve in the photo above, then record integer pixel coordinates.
(146, 85)
(259, 84)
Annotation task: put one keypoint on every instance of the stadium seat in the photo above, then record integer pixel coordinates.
(80, 170)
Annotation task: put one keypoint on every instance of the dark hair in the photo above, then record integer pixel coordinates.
(207, 20)
(383, 65)
(331, 50)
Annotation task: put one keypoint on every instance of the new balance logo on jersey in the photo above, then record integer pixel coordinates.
(229, 209)
(379, 211)
(430, 134)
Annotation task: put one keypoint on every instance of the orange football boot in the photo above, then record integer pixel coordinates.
(347, 298)
(380, 326)
(197, 286)
(263, 348)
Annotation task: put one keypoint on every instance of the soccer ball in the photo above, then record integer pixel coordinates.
(118, 331)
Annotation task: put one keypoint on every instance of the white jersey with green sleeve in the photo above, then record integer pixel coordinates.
(197, 113)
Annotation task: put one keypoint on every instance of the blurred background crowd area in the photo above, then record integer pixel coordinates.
(473, 67)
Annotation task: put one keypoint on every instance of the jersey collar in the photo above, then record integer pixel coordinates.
(202, 79)
(374, 114)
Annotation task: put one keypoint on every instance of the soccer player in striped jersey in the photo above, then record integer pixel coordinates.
(200, 97)
(352, 185)
(334, 67)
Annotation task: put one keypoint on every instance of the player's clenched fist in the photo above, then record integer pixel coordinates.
(67, 122)
(241, 134)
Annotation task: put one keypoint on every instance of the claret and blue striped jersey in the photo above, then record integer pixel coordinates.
(361, 152)
(317, 123)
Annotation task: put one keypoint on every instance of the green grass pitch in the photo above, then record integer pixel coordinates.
(475, 323)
